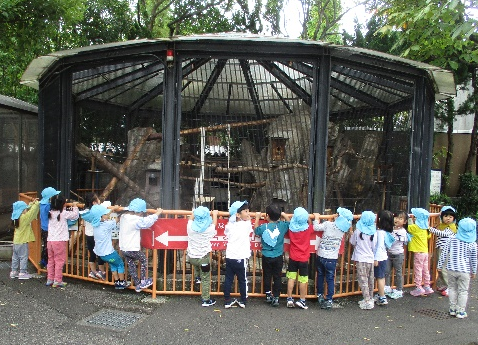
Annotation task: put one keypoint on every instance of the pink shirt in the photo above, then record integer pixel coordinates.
(58, 229)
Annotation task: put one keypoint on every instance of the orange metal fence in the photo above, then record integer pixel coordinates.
(172, 274)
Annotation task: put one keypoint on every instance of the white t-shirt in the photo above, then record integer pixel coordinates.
(238, 240)
(130, 234)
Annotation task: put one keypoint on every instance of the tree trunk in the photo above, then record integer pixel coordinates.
(449, 153)
(472, 152)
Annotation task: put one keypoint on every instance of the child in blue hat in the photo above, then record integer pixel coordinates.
(46, 195)
(130, 224)
(459, 257)
(238, 232)
(299, 254)
(445, 230)
(201, 229)
(22, 217)
(272, 237)
(418, 245)
(328, 252)
(364, 240)
(102, 229)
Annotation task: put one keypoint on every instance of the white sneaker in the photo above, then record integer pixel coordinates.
(367, 305)
(387, 289)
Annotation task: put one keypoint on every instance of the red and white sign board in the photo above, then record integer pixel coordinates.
(172, 234)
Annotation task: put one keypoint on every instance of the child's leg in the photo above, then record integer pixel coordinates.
(303, 279)
(388, 271)
(23, 256)
(398, 266)
(277, 275)
(204, 268)
(15, 259)
(51, 266)
(132, 269)
(267, 273)
(463, 283)
(370, 280)
(363, 278)
(453, 289)
(228, 279)
(418, 267)
(290, 284)
(241, 279)
(59, 258)
(426, 271)
(291, 274)
(44, 251)
(320, 263)
(440, 281)
(379, 273)
(329, 265)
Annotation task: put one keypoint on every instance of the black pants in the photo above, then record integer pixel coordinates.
(272, 268)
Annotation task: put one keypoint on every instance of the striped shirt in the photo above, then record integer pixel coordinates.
(462, 256)
(441, 236)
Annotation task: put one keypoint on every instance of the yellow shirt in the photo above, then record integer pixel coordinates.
(419, 241)
(24, 233)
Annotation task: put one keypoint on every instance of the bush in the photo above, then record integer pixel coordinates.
(468, 203)
(440, 199)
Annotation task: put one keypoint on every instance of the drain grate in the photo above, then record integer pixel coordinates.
(112, 319)
(5, 265)
(438, 315)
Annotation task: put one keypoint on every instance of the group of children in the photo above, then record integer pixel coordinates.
(378, 248)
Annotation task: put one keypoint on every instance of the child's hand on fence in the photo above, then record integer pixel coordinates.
(158, 211)
(317, 217)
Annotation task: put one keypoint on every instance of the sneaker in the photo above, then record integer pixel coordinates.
(137, 288)
(49, 283)
(229, 304)
(120, 285)
(382, 301)
(241, 304)
(146, 284)
(428, 290)
(43, 264)
(268, 297)
(13, 274)
(24, 275)
(461, 314)
(59, 284)
(320, 299)
(100, 275)
(290, 303)
(208, 302)
(92, 275)
(275, 302)
(452, 312)
(362, 301)
(445, 293)
(387, 290)
(328, 304)
(367, 305)
(418, 291)
(301, 304)
(376, 297)
(441, 288)
(197, 280)
(396, 294)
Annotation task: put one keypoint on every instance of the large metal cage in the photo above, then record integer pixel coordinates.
(217, 118)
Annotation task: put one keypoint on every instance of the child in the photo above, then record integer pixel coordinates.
(22, 217)
(46, 195)
(272, 237)
(459, 256)
(102, 228)
(299, 253)
(419, 246)
(90, 200)
(130, 240)
(201, 229)
(396, 255)
(385, 226)
(328, 253)
(446, 229)
(364, 241)
(58, 238)
(238, 232)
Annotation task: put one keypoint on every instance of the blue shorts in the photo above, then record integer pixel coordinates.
(379, 271)
(115, 262)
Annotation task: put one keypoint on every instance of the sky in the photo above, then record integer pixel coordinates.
(292, 25)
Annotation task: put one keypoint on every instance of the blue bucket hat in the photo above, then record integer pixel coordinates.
(137, 205)
(235, 206)
(466, 230)
(47, 194)
(95, 214)
(202, 219)
(300, 220)
(18, 208)
(421, 216)
(366, 224)
(344, 220)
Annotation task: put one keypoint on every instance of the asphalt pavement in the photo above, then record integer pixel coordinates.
(89, 313)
